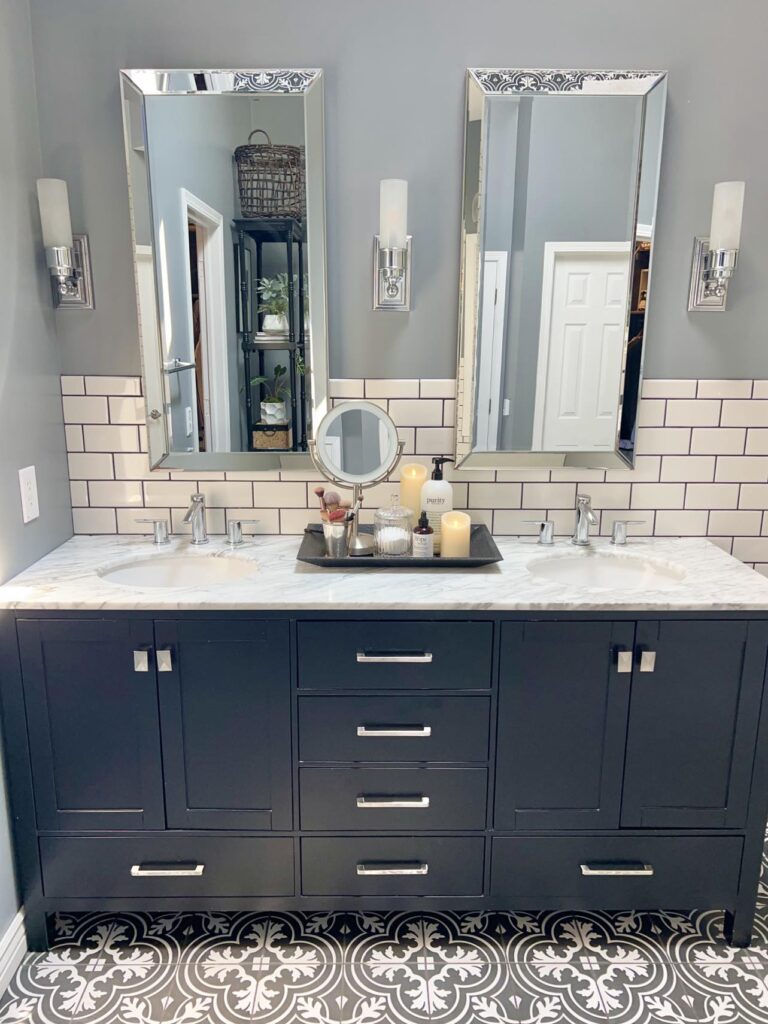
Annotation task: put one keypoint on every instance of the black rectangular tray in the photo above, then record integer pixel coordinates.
(482, 551)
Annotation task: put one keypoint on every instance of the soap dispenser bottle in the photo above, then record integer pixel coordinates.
(437, 498)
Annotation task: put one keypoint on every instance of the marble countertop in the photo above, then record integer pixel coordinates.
(69, 578)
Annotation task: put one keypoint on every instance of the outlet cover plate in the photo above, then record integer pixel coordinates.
(30, 506)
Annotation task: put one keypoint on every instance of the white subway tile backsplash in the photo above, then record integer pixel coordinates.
(724, 389)
(113, 385)
(701, 468)
(416, 412)
(660, 388)
(90, 466)
(126, 409)
(111, 438)
(681, 523)
(72, 385)
(745, 413)
(718, 441)
(386, 387)
(82, 409)
(692, 413)
(114, 493)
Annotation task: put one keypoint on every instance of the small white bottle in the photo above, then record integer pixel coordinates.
(423, 538)
(437, 498)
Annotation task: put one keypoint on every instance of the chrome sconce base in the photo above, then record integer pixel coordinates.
(710, 275)
(392, 277)
(70, 270)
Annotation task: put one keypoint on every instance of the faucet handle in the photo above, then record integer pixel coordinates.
(161, 530)
(235, 530)
(619, 530)
(546, 530)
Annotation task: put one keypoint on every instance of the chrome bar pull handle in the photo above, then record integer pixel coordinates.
(648, 661)
(414, 802)
(623, 661)
(172, 871)
(400, 731)
(404, 658)
(617, 870)
(165, 661)
(393, 868)
(141, 661)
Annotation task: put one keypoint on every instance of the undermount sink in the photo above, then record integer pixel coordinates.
(180, 571)
(604, 570)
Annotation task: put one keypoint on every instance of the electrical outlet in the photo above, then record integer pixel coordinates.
(30, 506)
(505, 407)
(190, 420)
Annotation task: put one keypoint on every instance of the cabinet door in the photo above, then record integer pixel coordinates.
(93, 723)
(692, 724)
(562, 724)
(225, 714)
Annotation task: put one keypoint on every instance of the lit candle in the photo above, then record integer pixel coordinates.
(393, 213)
(727, 207)
(412, 478)
(455, 529)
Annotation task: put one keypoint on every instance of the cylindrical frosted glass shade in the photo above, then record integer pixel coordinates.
(54, 212)
(727, 207)
(393, 213)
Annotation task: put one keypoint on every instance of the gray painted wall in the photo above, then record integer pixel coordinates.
(404, 117)
(31, 425)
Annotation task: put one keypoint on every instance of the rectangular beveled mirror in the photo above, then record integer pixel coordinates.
(561, 172)
(226, 173)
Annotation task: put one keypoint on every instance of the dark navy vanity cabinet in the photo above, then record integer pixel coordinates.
(318, 760)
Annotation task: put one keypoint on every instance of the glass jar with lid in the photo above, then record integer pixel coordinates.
(393, 531)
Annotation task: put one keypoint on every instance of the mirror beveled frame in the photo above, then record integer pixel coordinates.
(141, 83)
(482, 84)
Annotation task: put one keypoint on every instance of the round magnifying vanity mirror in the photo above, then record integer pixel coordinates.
(357, 445)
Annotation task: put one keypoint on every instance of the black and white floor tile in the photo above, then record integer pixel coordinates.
(393, 968)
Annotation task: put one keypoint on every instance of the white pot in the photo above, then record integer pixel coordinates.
(275, 323)
(273, 412)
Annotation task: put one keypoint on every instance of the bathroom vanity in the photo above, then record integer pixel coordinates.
(301, 739)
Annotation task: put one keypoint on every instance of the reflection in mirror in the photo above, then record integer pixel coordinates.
(227, 193)
(357, 443)
(560, 183)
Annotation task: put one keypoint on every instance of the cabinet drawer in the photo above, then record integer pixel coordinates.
(395, 655)
(396, 728)
(392, 866)
(659, 871)
(387, 799)
(110, 866)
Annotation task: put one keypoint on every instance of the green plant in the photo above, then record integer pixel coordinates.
(273, 292)
(276, 387)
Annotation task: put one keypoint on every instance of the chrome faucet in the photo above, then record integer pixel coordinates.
(585, 518)
(196, 516)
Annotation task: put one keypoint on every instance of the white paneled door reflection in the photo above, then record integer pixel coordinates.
(581, 345)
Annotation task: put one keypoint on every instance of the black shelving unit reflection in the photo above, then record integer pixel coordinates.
(291, 234)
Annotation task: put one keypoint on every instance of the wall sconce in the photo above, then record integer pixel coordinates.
(67, 256)
(392, 249)
(715, 258)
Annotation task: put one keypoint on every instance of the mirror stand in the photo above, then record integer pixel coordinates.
(358, 544)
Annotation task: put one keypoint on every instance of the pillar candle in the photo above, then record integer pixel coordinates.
(455, 528)
(412, 478)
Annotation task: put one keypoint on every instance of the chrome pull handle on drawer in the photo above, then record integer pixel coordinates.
(165, 661)
(404, 658)
(393, 868)
(617, 870)
(172, 871)
(401, 731)
(647, 661)
(141, 661)
(415, 802)
(623, 661)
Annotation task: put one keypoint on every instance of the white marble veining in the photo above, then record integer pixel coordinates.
(71, 578)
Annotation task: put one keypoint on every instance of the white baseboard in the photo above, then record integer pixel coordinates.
(13, 949)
